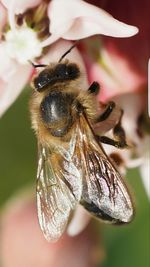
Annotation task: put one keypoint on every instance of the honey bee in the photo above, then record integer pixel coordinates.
(72, 165)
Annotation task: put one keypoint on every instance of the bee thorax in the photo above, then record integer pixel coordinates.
(56, 112)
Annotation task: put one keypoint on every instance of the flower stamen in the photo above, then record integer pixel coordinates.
(23, 44)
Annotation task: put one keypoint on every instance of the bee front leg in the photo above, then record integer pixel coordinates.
(94, 88)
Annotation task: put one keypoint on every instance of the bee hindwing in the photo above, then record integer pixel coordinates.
(59, 188)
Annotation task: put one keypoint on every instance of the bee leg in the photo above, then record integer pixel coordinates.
(119, 134)
(109, 141)
(106, 113)
(37, 65)
(94, 88)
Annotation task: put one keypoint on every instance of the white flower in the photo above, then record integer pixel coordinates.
(22, 44)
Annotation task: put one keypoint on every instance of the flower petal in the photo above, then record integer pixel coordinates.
(115, 75)
(19, 223)
(79, 222)
(8, 68)
(10, 89)
(76, 19)
(20, 6)
(132, 104)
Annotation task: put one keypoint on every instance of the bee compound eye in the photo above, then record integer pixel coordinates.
(72, 71)
(41, 81)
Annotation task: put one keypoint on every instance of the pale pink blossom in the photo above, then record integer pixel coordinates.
(10, 89)
(115, 75)
(22, 243)
(13, 77)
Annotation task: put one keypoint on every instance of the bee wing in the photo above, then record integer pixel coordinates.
(104, 192)
(59, 188)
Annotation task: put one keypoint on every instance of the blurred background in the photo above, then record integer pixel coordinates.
(125, 246)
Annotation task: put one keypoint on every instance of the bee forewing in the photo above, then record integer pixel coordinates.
(80, 171)
(59, 189)
(104, 192)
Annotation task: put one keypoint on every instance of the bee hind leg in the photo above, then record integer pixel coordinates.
(117, 143)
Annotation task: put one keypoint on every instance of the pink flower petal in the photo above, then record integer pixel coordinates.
(8, 68)
(9, 90)
(76, 19)
(133, 105)
(115, 76)
(23, 244)
(3, 17)
(79, 221)
(20, 6)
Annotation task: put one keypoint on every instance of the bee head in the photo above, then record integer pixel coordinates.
(61, 72)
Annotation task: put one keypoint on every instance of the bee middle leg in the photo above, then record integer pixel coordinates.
(119, 134)
(109, 115)
(107, 112)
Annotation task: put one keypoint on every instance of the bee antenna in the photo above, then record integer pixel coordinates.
(68, 51)
(37, 65)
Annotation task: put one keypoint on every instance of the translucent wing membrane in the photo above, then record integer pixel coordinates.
(104, 193)
(78, 171)
(59, 188)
